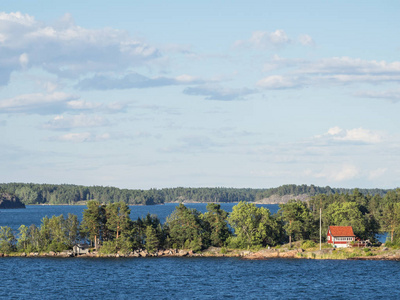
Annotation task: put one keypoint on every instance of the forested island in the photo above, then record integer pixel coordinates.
(31, 193)
(108, 229)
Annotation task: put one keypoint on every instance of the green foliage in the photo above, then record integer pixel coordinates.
(346, 214)
(253, 226)
(117, 220)
(187, 229)
(216, 224)
(298, 220)
(152, 240)
(308, 244)
(31, 193)
(7, 239)
(23, 238)
(390, 216)
(93, 222)
(109, 247)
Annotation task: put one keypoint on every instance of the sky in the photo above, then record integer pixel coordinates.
(157, 94)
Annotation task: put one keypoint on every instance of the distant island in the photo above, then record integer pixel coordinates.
(31, 193)
(8, 201)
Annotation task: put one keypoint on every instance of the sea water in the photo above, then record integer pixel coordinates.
(185, 278)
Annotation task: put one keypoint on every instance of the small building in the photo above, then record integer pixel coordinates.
(340, 236)
(79, 249)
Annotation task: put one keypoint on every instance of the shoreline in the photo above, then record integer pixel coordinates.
(264, 254)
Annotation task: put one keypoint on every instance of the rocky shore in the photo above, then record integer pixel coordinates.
(8, 201)
(298, 253)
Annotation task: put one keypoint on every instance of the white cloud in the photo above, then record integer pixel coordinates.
(24, 60)
(391, 95)
(328, 71)
(17, 17)
(278, 82)
(81, 137)
(55, 103)
(306, 40)
(349, 66)
(374, 174)
(79, 121)
(345, 173)
(36, 103)
(81, 105)
(65, 48)
(342, 173)
(265, 39)
(354, 135)
(134, 80)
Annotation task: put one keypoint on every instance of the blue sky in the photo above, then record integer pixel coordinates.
(153, 94)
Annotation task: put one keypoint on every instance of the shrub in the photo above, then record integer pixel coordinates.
(393, 245)
(57, 246)
(308, 244)
(108, 247)
(223, 250)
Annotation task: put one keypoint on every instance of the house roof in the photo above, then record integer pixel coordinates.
(341, 230)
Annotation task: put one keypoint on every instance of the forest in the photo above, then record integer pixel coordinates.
(30, 193)
(109, 227)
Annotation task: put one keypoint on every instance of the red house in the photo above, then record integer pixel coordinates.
(340, 236)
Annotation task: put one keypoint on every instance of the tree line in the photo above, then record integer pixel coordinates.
(110, 228)
(30, 193)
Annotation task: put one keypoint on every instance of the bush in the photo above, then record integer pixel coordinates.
(108, 247)
(393, 245)
(308, 244)
(223, 250)
(367, 250)
(57, 247)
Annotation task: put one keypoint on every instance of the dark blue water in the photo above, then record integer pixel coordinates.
(33, 214)
(196, 278)
(185, 278)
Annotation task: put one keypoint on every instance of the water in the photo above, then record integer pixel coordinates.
(196, 278)
(185, 278)
(33, 214)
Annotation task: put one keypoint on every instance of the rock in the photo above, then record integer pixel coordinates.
(143, 254)
(324, 251)
(183, 253)
(8, 201)
(385, 249)
(277, 199)
(66, 253)
(23, 254)
(1, 254)
(245, 253)
(289, 254)
(262, 254)
(52, 253)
